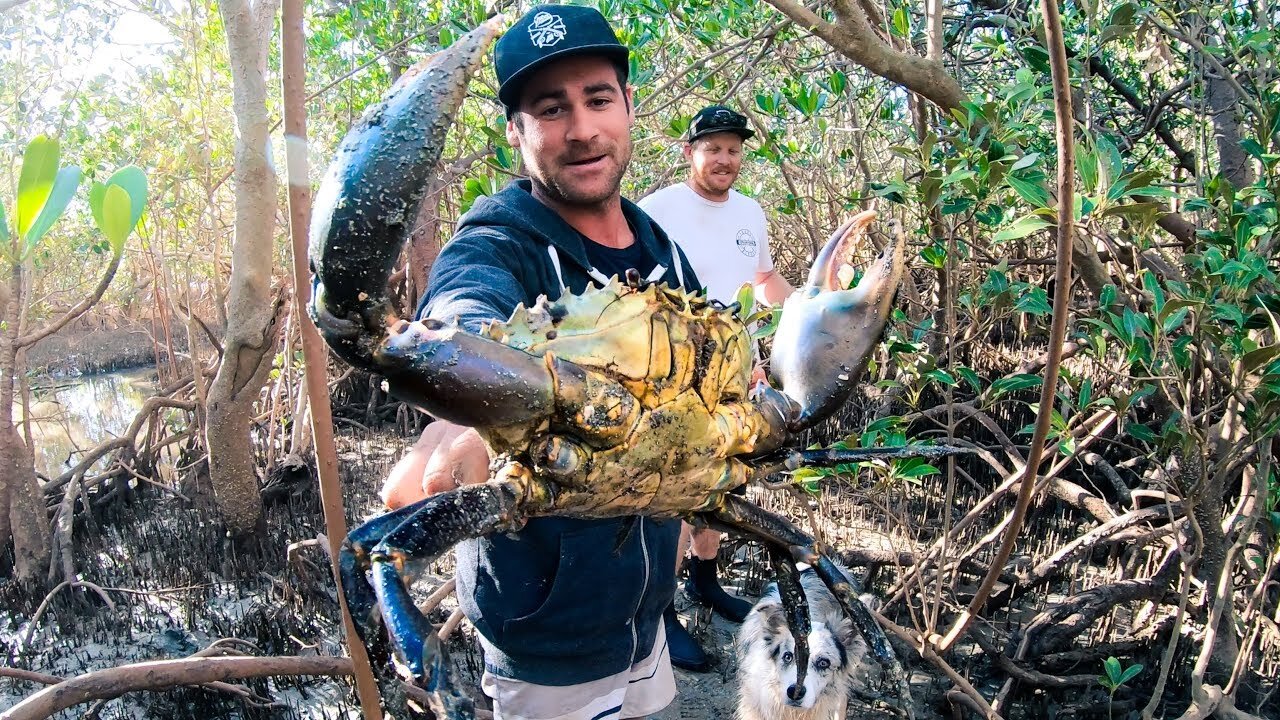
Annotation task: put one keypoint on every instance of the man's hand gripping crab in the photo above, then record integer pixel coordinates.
(628, 399)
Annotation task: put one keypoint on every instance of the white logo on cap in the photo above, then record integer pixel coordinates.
(546, 30)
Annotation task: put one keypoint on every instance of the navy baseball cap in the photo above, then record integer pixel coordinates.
(547, 33)
(718, 118)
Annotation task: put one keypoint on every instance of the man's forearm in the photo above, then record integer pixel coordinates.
(772, 288)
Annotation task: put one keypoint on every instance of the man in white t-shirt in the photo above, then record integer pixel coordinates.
(724, 235)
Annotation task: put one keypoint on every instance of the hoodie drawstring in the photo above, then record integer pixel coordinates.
(656, 274)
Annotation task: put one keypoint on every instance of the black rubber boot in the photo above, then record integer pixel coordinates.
(703, 587)
(686, 654)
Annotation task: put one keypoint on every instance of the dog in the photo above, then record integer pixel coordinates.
(767, 687)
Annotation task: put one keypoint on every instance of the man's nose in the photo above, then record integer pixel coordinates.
(582, 127)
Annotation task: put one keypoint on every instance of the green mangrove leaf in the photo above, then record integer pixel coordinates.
(746, 300)
(39, 169)
(1021, 228)
(64, 188)
(116, 210)
(133, 181)
(1260, 357)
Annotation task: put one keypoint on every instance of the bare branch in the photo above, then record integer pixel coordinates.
(855, 38)
(166, 674)
(81, 308)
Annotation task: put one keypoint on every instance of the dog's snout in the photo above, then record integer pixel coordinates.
(795, 693)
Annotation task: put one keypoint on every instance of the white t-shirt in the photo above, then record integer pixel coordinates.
(726, 242)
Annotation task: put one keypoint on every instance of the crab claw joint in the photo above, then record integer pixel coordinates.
(827, 332)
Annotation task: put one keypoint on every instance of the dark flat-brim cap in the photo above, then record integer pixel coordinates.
(717, 119)
(548, 33)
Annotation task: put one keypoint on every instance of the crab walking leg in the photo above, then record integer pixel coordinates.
(353, 563)
(740, 516)
(830, 457)
(796, 607)
(424, 531)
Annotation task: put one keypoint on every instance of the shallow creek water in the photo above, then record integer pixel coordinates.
(73, 414)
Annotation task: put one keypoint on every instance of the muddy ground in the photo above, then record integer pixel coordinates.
(178, 584)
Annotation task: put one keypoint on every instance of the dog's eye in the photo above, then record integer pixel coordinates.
(787, 657)
(822, 664)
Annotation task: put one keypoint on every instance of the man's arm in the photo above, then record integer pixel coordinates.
(771, 287)
(474, 280)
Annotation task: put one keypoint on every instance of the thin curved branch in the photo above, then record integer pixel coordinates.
(127, 439)
(81, 308)
(855, 38)
(1061, 73)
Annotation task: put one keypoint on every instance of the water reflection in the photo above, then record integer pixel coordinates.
(70, 415)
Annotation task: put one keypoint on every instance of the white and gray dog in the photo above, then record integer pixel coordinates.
(767, 687)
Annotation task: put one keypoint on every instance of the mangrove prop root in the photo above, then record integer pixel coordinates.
(166, 674)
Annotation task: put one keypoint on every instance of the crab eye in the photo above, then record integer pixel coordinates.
(822, 664)
(787, 657)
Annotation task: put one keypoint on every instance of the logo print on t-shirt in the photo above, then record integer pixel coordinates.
(546, 29)
(747, 243)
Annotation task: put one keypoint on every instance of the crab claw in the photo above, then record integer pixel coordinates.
(366, 204)
(827, 332)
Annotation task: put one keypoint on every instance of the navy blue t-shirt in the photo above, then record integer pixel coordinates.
(612, 261)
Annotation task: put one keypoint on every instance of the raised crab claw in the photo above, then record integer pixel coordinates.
(629, 399)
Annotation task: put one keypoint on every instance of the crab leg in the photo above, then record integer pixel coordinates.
(796, 607)
(789, 459)
(741, 517)
(421, 532)
(826, 332)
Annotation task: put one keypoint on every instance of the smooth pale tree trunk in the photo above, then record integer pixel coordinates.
(252, 312)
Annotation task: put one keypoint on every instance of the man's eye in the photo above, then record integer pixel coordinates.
(787, 657)
(822, 664)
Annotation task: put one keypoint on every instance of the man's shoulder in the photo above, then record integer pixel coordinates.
(487, 243)
(742, 200)
(663, 197)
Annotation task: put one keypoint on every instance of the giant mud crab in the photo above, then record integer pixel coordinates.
(631, 398)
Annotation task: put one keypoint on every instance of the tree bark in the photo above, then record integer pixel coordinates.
(252, 314)
(22, 514)
(1223, 108)
(853, 37)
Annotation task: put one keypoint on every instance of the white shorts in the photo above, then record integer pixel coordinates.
(647, 687)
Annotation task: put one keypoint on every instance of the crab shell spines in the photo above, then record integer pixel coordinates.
(656, 341)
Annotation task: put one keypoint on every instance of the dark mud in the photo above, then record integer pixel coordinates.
(180, 584)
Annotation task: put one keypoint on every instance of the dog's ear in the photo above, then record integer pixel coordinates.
(844, 631)
(774, 619)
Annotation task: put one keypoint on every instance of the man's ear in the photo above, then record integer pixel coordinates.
(688, 151)
(630, 91)
(513, 133)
